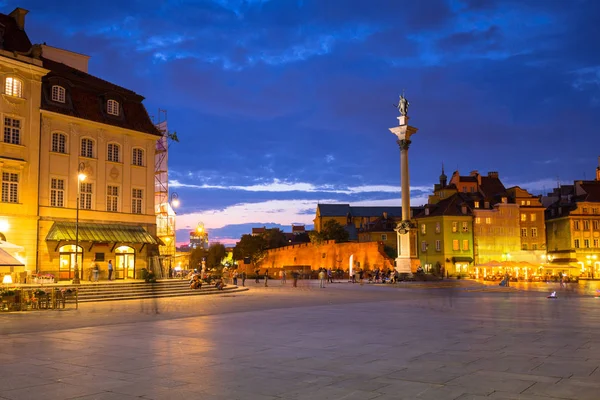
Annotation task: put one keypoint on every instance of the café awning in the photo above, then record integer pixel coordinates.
(100, 233)
(7, 260)
(462, 259)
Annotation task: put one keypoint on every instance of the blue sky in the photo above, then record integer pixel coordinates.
(281, 104)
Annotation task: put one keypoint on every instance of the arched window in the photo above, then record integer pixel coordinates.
(13, 87)
(87, 148)
(138, 157)
(58, 93)
(114, 152)
(112, 107)
(59, 143)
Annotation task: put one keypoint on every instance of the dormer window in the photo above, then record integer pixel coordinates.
(13, 87)
(112, 107)
(58, 94)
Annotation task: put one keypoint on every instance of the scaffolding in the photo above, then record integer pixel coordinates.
(165, 215)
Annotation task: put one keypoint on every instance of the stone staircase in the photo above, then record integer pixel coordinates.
(141, 290)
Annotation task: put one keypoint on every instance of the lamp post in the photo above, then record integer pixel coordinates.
(80, 178)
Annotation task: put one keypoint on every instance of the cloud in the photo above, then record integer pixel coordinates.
(329, 158)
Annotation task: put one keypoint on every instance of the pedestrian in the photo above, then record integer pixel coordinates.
(110, 270)
(295, 275)
(322, 278)
(562, 280)
(442, 269)
(507, 278)
(257, 272)
(266, 277)
(283, 276)
(243, 278)
(235, 276)
(96, 272)
(329, 276)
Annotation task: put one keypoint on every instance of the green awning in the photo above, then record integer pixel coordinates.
(462, 259)
(100, 233)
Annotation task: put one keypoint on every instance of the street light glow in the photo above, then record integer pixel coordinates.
(81, 176)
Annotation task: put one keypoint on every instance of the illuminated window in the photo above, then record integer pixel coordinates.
(12, 130)
(595, 242)
(59, 143)
(465, 227)
(532, 216)
(10, 187)
(87, 148)
(57, 192)
(455, 227)
(423, 229)
(476, 204)
(112, 107)
(465, 245)
(112, 198)
(523, 217)
(455, 245)
(113, 152)
(438, 228)
(488, 220)
(478, 220)
(58, 94)
(138, 157)
(13, 87)
(136, 201)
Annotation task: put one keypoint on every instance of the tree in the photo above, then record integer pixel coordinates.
(196, 257)
(274, 238)
(216, 253)
(250, 246)
(333, 230)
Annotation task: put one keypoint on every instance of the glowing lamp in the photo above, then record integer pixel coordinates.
(7, 279)
(81, 177)
(4, 225)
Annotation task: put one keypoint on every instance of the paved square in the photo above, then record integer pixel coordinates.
(342, 342)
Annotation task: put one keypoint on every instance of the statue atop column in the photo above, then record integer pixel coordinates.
(402, 105)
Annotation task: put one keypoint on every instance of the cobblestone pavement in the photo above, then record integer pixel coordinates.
(342, 342)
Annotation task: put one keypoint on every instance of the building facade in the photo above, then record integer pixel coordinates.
(94, 184)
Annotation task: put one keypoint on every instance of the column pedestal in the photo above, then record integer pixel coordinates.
(403, 262)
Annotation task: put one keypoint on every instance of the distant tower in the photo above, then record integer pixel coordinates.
(199, 237)
(443, 178)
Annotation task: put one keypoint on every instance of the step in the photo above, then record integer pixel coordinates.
(200, 292)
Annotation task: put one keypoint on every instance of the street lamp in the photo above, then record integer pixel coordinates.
(80, 178)
(174, 201)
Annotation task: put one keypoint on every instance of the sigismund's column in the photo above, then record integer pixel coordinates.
(404, 132)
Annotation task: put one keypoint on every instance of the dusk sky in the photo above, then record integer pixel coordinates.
(282, 104)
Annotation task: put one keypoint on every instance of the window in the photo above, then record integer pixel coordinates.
(59, 143)
(465, 245)
(576, 242)
(595, 224)
(438, 228)
(476, 204)
(87, 148)
(438, 245)
(595, 242)
(57, 192)
(528, 203)
(586, 243)
(478, 220)
(488, 220)
(85, 196)
(13, 87)
(138, 157)
(12, 130)
(10, 187)
(112, 198)
(523, 217)
(465, 227)
(523, 232)
(455, 245)
(534, 246)
(586, 225)
(576, 225)
(113, 152)
(584, 210)
(424, 246)
(112, 107)
(524, 246)
(423, 229)
(486, 204)
(136, 201)
(455, 227)
(58, 94)
(533, 232)
(383, 237)
(532, 216)
(594, 211)
(522, 202)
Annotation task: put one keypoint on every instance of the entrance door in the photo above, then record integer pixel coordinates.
(124, 263)
(68, 258)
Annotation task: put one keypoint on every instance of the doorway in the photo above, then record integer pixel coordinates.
(68, 257)
(124, 263)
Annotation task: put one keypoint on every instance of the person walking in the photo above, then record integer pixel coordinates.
(96, 272)
(295, 275)
(235, 276)
(110, 270)
(266, 277)
(283, 276)
(257, 272)
(243, 278)
(322, 276)
(329, 276)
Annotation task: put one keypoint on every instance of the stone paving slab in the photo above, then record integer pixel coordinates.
(342, 342)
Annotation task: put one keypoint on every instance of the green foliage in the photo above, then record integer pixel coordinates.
(216, 253)
(274, 238)
(250, 246)
(8, 293)
(390, 252)
(332, 230)
(196, 257)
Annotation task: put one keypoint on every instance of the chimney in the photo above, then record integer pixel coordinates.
(493, 174)
(474, 172)
(18, 15)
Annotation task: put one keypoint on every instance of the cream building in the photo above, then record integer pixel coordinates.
(90, 127)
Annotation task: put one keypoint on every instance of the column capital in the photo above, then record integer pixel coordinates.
(403, 143)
